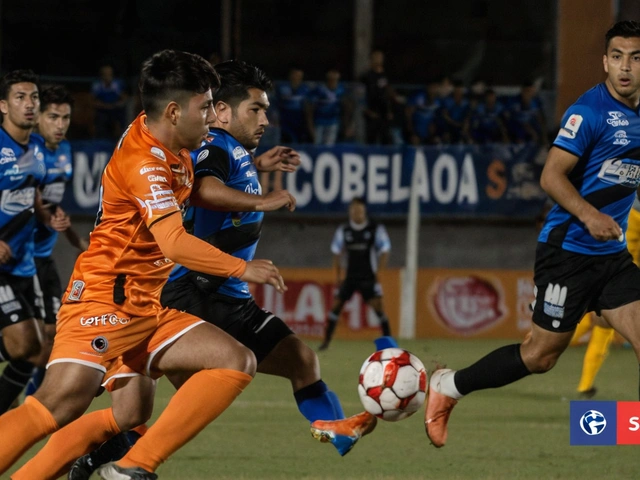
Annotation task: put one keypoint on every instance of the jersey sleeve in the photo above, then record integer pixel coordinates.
(213, 161)
(150, 185)
(338, 241)
(578, 128)
(383, 243)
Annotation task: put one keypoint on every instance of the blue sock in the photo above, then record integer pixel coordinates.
(36, 381)
(317, 402)
(385, 342)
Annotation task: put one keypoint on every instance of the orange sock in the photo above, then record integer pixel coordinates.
(21, 428)
(196, 404)
(68, 444)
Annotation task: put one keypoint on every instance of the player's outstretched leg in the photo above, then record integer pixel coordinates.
(112, 471)
(344, 433)
(439, 407)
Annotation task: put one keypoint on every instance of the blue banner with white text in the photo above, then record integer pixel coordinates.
(466, 181)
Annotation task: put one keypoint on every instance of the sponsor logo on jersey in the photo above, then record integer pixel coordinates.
(76, 290)
(144, 170)
(244, 164)
(157, 178)
(250, 173)
(104, 320)
(164, 261)
(468, 305)
(16, 201)
(53, 192)
(202, 155)
(239, 152)
(554, 299)
(157, 152)
(617, 171)
(100, 344)
(618, 119)
(621, 138)
(570, 129)
(253, 191)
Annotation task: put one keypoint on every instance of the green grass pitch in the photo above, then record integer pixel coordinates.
(517, 432)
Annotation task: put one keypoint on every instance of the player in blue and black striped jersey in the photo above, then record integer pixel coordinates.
(55, 117)
(582, 264)
(21, 172)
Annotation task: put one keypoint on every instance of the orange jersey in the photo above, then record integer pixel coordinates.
(142, 183)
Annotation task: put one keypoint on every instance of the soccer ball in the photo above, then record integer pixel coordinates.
(392, 384)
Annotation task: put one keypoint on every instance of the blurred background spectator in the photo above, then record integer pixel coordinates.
(378, 112)
(332, 110)
(109, 100)
(292, 101)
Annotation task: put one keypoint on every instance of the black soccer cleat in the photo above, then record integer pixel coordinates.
(81, 468)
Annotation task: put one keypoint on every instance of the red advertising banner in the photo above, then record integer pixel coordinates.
(478, 303)
(450, 303)
(306, 303)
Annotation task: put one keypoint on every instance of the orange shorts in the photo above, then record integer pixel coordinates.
(102, 337)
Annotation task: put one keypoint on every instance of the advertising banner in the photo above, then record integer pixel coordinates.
(489, 181)
(305, 306)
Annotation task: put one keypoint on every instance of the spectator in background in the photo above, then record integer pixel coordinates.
(422, 115)
(525, 117)
(378, 112)
(109, 99)
(455, 112)
(292, 99)
(486, 124)
(331, 109)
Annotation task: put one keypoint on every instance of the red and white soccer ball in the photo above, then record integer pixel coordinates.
(392, 384)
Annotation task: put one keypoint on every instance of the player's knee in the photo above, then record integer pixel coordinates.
(542, 363)
(246, 362)
(27, 347)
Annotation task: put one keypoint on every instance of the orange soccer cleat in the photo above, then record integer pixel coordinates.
(344, 433)
(439, 407)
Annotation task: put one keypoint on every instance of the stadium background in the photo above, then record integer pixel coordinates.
(518, 432)
(487, 247)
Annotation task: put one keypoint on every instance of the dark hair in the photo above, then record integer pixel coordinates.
(236, 78)
(358, 200)
(17, 76)
(624, 29)
(55, 94)
(171, 75)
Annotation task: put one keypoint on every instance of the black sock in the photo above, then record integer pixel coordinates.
(15, 377)
(384, 324)
(501, 367)
(112, 450)
(332, 322)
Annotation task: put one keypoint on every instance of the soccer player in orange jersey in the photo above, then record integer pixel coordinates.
(111, 306)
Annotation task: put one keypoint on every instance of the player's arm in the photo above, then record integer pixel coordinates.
(209, 192)
(337, 247)
(42, 212)
(76, 240)
(198, 255)
(337, 268)
(280, 158)
(555, 181)
(383, 246)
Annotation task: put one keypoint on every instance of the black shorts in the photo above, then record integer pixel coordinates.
(257, 329)
(569, 285)
(20, 299)
(368, 288)
(51, 288)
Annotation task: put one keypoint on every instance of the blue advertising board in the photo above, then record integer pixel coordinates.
(455, 181)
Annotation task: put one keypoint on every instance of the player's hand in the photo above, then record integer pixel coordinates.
(281, 158)
(5, 252)
(264, 271)
(275, 200)
(603, 227)
(60, 221)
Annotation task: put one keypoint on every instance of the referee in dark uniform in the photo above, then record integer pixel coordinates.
(366, 245)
